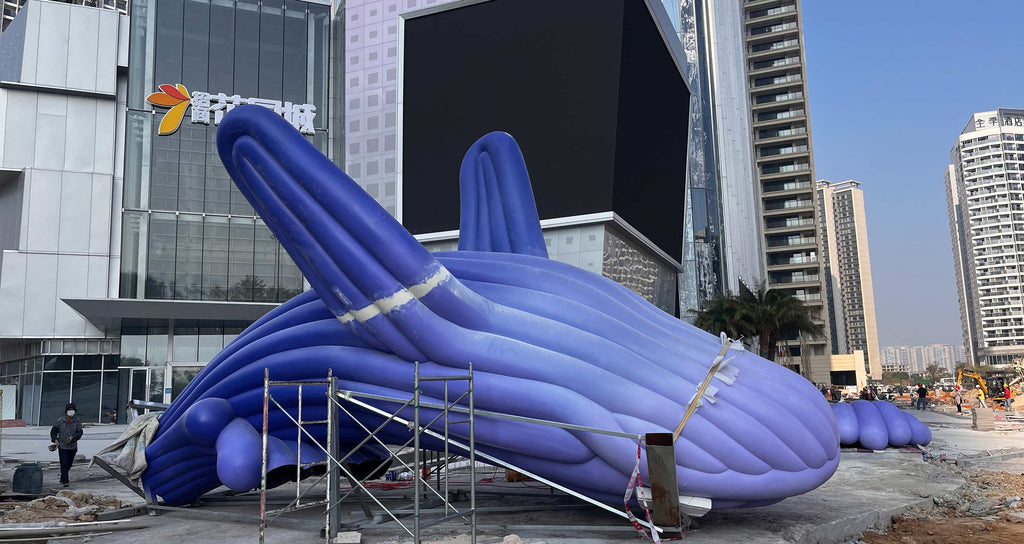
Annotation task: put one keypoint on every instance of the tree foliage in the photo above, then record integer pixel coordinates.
(768, 315)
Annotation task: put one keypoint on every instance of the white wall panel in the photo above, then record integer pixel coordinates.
(103, 149)
(21, 120)
(107, 50)
(81, 135)
(114, 277)
(123, 24)
(82, 60)
(12, 294)
(54, 23)
(3, 124)
(43, 210)
(49, 144)
(52, 104)
(40, 286)
(72, 282)
(75, 199)
(97, 286)
(30, 54)
(100, 208)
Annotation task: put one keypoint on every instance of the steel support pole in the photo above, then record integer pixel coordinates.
(263, 465)
(661, 468)
(446, 496)
(472, 460)
(416, 454)
(333, 480)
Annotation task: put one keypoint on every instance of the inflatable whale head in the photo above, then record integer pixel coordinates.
(546, 340)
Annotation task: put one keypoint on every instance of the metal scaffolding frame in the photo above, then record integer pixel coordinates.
(336, 463)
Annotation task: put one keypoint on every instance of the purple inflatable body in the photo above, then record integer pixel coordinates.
(546, 340)
(878, 425)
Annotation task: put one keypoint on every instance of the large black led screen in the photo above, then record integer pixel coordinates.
(588, 89)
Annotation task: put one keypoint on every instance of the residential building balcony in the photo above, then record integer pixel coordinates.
(759, 15)
(764, 49)
(758, 65)
(785, 27)
(783, 223)
(776, 187)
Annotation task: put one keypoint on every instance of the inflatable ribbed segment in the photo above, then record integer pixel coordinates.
(878, 424)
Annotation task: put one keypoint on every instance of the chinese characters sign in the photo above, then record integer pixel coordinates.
(1006, 121)
(209, 106)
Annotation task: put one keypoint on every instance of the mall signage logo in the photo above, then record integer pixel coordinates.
(207, 106)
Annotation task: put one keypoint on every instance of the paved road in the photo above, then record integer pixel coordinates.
(866, 491)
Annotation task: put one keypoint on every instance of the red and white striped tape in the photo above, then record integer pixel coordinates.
(636, 481)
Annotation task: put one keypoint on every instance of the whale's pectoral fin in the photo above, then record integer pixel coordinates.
(498, 212)
(362, 263)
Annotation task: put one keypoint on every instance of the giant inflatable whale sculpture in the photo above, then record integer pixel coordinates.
(546, 340)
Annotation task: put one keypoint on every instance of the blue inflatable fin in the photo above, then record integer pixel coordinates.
(369, 271)
(497, 208)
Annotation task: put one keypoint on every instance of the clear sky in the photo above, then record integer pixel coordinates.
(891, 83)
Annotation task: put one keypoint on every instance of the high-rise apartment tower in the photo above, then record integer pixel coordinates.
(851, 300)
(785, 167)
(985, 197)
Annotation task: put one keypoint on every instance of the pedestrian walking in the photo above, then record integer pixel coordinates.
(922, 397)
(958, 399)
(64, 436)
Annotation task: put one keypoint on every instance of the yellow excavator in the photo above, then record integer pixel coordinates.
(960, 373)
(998, 393)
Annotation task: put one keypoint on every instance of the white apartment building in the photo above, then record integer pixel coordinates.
(985, 197)
(851, 299)
(784, 159)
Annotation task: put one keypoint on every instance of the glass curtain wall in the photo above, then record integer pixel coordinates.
(188, 233)
(80, 371)
(702, 275)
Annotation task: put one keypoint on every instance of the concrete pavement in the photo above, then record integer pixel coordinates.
(865, 492)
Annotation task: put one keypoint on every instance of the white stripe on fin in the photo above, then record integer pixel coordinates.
(397, 299)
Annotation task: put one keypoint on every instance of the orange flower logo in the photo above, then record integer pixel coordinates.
(175, 97)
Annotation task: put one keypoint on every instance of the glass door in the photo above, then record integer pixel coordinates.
(177, 376)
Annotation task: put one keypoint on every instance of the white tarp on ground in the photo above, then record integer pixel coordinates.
(129, 451)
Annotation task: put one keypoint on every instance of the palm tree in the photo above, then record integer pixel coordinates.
(724, 313)
(770, 315)
(776, 315)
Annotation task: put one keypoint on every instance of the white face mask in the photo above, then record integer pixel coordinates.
(71, 413)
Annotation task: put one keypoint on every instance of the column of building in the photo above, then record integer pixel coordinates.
(785, 166)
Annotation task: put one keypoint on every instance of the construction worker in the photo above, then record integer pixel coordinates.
(922, 397)
(64, 436)
(1007, 398)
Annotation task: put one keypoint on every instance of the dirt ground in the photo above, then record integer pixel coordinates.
(989, 509)
(64, 506)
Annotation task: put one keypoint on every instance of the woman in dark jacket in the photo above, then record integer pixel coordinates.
(65, 434)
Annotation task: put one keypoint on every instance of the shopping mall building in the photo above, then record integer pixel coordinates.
(128, 259)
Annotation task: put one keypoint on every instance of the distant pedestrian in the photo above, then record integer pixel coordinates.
(922, 397)
(865, 393)
(836, 395)
(64, 436)
(958, 399)
(1007, 398)
(824, 390)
